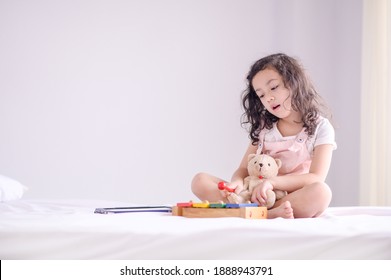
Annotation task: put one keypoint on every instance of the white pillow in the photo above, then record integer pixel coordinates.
(10, 189)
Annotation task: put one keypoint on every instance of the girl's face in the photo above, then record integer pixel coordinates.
(270, 88)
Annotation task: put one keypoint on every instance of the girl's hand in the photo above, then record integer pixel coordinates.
(259, 193)
(236, 185)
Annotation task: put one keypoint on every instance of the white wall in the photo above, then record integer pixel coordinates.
(127, 100)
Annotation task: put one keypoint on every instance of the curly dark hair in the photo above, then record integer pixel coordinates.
(305, 98)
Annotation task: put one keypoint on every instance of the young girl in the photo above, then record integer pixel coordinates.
(285, 119)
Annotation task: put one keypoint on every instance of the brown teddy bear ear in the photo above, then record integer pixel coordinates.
(251, 156)
(279, 162)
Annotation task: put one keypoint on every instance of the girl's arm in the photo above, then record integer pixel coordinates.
(319, 168)
(318, 171)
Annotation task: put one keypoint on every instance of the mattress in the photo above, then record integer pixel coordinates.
(70, 230)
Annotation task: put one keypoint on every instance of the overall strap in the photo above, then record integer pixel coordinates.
(261, 141)
(302, 136)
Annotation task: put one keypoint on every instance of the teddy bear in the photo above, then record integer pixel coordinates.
(259, 167)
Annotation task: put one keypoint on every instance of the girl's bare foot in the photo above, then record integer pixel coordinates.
(282, 211)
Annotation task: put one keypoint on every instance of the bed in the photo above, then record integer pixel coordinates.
(70, 230)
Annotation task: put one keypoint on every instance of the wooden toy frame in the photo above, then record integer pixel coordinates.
(203, 212)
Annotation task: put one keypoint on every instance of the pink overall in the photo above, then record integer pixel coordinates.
(293, 153)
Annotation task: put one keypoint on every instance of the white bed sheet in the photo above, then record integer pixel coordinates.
(69, 229)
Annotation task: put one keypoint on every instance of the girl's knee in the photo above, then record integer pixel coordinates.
(321, 195)
(204, 186)
(199, 177)
(198, 181)
(322, 190)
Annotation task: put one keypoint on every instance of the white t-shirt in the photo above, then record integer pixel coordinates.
(324, 134)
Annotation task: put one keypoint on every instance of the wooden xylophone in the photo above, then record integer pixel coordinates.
(219, 209)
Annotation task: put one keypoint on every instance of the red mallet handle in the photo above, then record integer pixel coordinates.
(222, 186)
